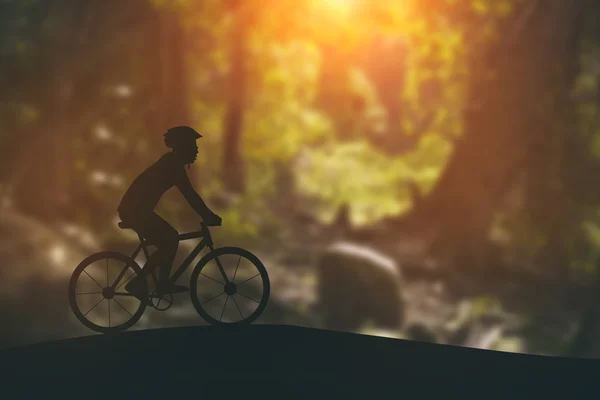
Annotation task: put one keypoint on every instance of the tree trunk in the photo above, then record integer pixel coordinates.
(233, 163)
(174, 86)
(42, 177)
(586, 341)
(42, 186)
(504, 125)
(384, 61)
(173, 71)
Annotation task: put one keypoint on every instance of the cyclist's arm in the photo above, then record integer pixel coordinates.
(193, 198)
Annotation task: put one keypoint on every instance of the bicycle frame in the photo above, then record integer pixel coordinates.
(205, 242)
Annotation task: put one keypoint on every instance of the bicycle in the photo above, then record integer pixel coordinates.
(202, 304)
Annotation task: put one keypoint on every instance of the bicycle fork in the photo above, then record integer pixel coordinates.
(209, 243)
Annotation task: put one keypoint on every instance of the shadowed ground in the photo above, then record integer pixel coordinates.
(257, 359)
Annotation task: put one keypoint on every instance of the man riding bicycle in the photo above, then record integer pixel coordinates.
(136, 209)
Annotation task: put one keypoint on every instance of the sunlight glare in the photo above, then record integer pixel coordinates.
(70, 230)
(57, 255)
(116, 181)
(124, 91)
(88, 240)
(338, 4)
(98, 177)
(337, 7)
(102, 132)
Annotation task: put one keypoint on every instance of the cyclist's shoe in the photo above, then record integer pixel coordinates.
(139, 289)
(169, 287)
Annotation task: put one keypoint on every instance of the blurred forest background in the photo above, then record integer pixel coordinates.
(415, 169)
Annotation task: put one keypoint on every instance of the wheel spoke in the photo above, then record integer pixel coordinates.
(236, 268)
(221, 269)
(214, 297)
(88, 293)
(109, 313)
(248, 279)
(212, 278)
(107, 284)
(249, 298)
(96, 305)
(238, 307)
(223, 312)
(99, 285)
(121, 305)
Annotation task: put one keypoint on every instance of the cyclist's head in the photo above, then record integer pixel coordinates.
(182, 139)
(181, 136)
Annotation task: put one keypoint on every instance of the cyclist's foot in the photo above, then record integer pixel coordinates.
(139, 289)
(169, 287)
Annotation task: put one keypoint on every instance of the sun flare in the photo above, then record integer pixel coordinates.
(336, 7)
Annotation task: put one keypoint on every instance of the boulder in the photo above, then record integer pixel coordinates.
(358, 285)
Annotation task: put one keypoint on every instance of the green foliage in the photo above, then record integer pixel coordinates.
(484, 304)
(373, 184)
(281, 116)
(235, 227)
(510, 344)
(355, 174)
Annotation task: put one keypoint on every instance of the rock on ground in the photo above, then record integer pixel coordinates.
(358, 285)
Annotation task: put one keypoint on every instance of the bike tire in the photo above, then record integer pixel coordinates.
(135, 317)
(266, 285)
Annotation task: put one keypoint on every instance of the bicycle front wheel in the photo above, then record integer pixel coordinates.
(94, 301)
(242, 300)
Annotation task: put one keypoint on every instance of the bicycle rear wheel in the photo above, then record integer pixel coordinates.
(240, 302)
(92, 299)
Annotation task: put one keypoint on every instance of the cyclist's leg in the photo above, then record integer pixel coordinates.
(161, 234)
(136, 286)
(152, 262)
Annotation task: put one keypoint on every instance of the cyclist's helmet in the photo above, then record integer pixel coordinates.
(180, 135)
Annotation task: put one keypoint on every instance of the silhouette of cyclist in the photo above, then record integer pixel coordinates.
(137, 208)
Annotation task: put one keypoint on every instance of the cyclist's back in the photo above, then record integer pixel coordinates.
(147, 189)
